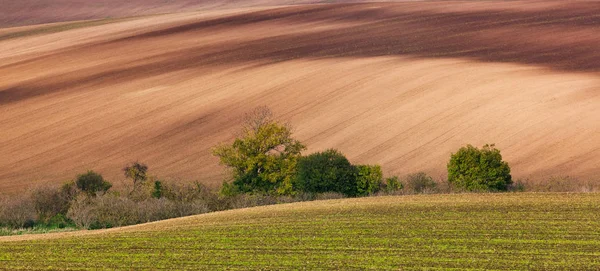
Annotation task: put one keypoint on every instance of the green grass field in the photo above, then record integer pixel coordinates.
(508, 231)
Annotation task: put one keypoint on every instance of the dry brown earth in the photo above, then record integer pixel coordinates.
(400, 84)
(28, 12)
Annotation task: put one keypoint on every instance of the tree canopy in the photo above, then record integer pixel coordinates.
(475, 169)
(263, 158)
(136, 172)
(328, 171)
(92, 183)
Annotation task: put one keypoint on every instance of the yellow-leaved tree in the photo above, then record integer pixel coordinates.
(263, 158)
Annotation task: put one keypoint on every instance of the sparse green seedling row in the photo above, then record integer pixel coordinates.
(514, 231)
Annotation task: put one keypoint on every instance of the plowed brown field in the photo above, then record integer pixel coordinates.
(399, 84)
(28, 12)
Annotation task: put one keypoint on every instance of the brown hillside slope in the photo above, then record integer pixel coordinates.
(29, 12)
(402, 85)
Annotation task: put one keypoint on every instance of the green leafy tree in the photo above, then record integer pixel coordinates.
(263, 158)
(328, 171)
(369, 179)
(476, 169)
(92, 183)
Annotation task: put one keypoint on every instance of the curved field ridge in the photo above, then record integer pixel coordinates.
(399, 84)
(520, 231)
(29, 12)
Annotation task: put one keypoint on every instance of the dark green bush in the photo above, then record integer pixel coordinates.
(60, 221)
(474, 169)
(229, 190)
(327, 171)
(393, 184)
(157, 192)
(92, 183)
(368, 179)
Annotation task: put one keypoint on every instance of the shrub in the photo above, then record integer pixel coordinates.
(304, 196)
(327, 171)
(141, 192)
(68, 193)
(17, 213)
(518, 186)
(229, 190)
(110, 210)
(250, 200)
(393, 184)
(49, 201)
(190, 193)
(562, 184)
(476, 169)
(179, 209)
(263, 159)
(59, 221)
(157, 192)
(185, 192)
(420, 183)
(368, 179)
(136, 172)
(92, 183)
(90, 213)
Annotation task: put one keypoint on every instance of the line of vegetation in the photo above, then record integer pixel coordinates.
(500, 231)
(267, 159)
(266, 167)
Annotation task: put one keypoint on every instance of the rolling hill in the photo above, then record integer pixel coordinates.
(29, 12)
(399, 84)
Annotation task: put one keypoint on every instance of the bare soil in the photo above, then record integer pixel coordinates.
(398, 84)
(29, 12)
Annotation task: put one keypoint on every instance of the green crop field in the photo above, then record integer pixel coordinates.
(511, 231)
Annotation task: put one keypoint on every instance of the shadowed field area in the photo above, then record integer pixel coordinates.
(516, 231)
(399, 84)
(29, 12)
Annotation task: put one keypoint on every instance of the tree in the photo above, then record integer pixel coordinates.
(476, 169)
(92, 183)
(328, 171)
(369, 179)
(137, 172)
(263, 158)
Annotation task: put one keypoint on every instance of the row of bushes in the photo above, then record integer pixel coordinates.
(68, 206)
(90, 201)
(267, 159)
(73, 206)
(266, 167)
